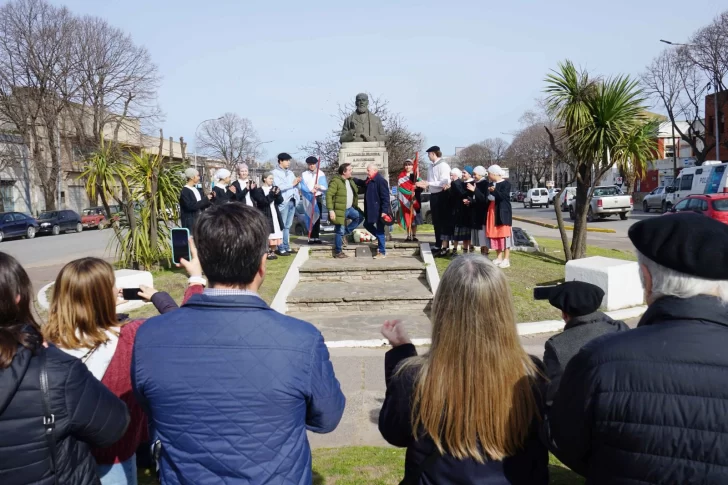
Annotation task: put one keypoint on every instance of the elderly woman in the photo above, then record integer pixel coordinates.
(479, 206)
(499, 220)
(224, 192)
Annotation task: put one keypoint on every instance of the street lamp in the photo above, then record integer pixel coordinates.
(715, 99)
(198, 127)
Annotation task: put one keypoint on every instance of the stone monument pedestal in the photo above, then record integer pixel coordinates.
(361, 154)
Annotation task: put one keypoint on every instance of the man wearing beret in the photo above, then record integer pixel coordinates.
(579, 303)
(650, 405)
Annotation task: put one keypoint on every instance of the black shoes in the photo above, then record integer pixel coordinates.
(283, 253)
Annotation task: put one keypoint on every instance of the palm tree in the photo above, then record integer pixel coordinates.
(601, 122)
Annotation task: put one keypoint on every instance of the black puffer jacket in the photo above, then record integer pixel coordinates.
(561, 348)
(86, 413)
(649, 405)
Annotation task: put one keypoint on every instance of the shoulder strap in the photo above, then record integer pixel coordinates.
(49, 419)
(426, 464)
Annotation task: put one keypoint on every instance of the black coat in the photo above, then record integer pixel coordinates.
(561, 348)
(376, 198)
(463, 214)
(222, 196)
(528, 467)
(503, 209)
(86, 414)
(649, 405)
(263, 201)
(190, 208)
(479, 200)
(241, 192)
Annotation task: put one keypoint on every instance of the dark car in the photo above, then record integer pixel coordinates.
(55, 222)
(15, 224)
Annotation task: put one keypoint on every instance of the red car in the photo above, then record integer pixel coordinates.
(714, 206)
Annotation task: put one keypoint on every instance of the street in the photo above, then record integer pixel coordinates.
(612, 222)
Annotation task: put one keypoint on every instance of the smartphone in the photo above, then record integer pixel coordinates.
(131, 293)
(180, 244)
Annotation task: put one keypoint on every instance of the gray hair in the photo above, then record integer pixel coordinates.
(668, 282)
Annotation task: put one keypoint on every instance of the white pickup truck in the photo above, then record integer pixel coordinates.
(607, 200)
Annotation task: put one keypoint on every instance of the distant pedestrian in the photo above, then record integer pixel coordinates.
(315, 181)
(579, 303)
(376, 207)
(231, 386)
(438, 177)
(498, 230)
(468, 410)
(191, 201)
(342, 202)
(479, 201)
(408, 195)
(649, 405)
(52, 408)
(244, 186)
(268, 198)
(223, 191)
(287, 182)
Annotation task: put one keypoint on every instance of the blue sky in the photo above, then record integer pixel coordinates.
(458, 71)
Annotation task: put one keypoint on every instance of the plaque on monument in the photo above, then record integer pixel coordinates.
(362, 140)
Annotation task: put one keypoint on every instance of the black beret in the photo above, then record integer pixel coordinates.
(686, 242)
(284, 156)
(312, 160)
(576, 298)
(434, 148)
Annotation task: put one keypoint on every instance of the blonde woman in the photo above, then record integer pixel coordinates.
(83, 323)
(468, 411)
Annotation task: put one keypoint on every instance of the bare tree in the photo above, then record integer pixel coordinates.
(487, 152)
(230, 138)
(709, 49)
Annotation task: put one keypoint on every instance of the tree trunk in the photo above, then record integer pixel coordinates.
(154, 222)
(184, 149)
(581, 208)
(560, 222)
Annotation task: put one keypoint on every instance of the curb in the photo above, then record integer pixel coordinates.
(528, 328)
(433, 277)
(42, 298)
(555, 226)
(289, 281)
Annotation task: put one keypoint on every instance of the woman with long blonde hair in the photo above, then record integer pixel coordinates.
(83, 323)
(469, 410)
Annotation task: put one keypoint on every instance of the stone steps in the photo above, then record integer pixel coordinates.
(365, 326)
(361, 269)
(393, 249)
(379, 295)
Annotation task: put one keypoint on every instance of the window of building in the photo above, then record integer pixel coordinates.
(7, 201)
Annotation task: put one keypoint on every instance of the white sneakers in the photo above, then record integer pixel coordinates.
(502, 263)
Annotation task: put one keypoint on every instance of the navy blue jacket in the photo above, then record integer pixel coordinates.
(376, 198)
(649, 405)
(230, 387)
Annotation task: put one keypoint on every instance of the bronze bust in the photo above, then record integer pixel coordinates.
(362, 125)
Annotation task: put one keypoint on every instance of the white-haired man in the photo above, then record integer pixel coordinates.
(191, 202)
(649, 405)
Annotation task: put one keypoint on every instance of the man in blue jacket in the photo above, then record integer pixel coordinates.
(231, 386)
(376, 206)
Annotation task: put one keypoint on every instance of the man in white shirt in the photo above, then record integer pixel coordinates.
(315, 183)
(438, 179)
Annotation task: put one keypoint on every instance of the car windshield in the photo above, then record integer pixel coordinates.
(606, 191)
(91, 212)
(720, 205)
(48, 215)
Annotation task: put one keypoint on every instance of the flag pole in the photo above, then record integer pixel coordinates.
(315, 202)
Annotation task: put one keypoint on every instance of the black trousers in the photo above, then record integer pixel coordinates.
(316, 229)
(438, 208)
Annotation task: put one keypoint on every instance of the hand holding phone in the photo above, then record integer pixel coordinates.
(180, 244)
(131, 293)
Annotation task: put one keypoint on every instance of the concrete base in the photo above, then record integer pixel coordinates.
(361, 154)
(619, 279)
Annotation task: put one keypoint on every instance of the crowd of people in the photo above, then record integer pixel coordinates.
(224, 389)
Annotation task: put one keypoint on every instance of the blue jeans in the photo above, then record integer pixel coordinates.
(124, 473)
(287, 210)
(377, 230)
(340, 230)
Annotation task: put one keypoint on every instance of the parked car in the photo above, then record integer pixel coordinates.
(708, 178)
(95, 217)
(714, 206)
(552, 194)
(655, 200)
(299, 226)
(566, 197)
(607, 201)
(425, 211)
(15, 224)
(513, 196)
(55, 222)
(536, 196)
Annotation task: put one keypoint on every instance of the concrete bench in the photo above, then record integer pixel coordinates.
(130, 278)
(619, 279)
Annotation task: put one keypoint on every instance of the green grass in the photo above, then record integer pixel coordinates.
(422, 228)
(529, 270)
(356, 465)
